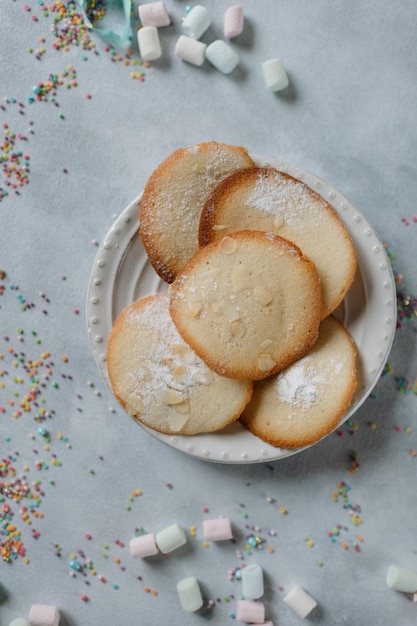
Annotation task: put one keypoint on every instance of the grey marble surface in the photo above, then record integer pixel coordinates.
(349, 117)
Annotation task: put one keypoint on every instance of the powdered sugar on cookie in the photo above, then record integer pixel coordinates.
(172, 365)
(286, 200)
(301, 385)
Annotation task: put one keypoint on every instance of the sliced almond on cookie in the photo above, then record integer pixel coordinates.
(265, 362)
(182, 407)
(262, 295)
(190, 309)
(238, 329)
(171, 397)
(228, 245)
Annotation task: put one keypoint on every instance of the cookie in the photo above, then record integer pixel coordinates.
(262, 198)
(174, 196)
(306, 401)
(160, 381)
(248, 304)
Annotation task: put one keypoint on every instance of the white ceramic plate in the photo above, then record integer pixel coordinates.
(122, 274)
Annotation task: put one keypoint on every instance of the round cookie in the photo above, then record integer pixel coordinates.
(248, 304)
(262, 198)
(174, 196)
(160, 381)
(306, 401)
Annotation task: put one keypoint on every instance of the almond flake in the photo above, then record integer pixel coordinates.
(178, 372)
(202, 378)
(171, 397)
(265, 362)
(143, 372)
(177, 422)
(228, 245)
(138, 408)
(262, 295)
(192, 295)
(190, 309)
(182, 407)
(238, 329)
(178, 348)
(210, 272)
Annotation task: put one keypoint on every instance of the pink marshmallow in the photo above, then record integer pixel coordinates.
(250, 611)
(217, 529)
(143, 546)
(233, 21)
(43, 615)
(153, 14)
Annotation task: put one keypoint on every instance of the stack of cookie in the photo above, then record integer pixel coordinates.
(256, 262)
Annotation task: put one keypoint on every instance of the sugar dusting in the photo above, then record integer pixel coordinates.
(288, 201)
(180, 198)
(301, 385)
(172, 364)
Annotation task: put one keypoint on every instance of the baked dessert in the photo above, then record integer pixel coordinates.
(306, 401)
(262, 198)
(159, 380)
(248, 304)
(174, 196)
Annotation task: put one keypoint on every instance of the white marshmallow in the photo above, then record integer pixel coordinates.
(222, 56)
(250, 611)
(217, 529)
(300, 601)
(275, 76)
(268, 623)
(233, 21)
(252, 582)
(143, 546)
(170, 538)
(196, 22)
(190, 594)
(402, 579)
(19, 621)
(153, 14)
(43, 615)
(191, 50)
(149, 44)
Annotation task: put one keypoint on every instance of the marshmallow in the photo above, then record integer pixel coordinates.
(300, 601)
(252, 582)
(190, 594)
(250, 611)
(402, 579)
(196, 22)
(143, 546)
(19, 621)
(43, 615)
(233, 21)
(275, 76)
(153, 14)
(149, 44)
(268, 623)
(191, 50)
(217, 529)
(222, 56)
(170, 538)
